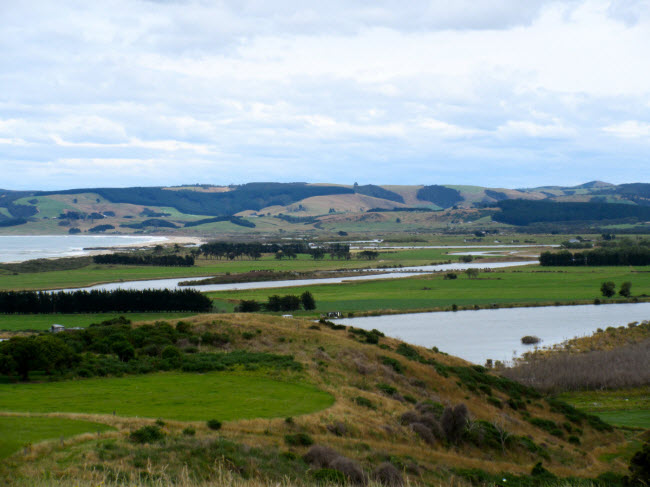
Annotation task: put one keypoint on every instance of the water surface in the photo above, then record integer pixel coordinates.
(496, 333)
(19, 248)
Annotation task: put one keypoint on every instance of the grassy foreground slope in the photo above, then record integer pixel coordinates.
(431, 416)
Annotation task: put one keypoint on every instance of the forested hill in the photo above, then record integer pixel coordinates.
(298, 207)
(252, 196)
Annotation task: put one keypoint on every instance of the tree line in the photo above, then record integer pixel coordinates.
(525, 212)
(599, 257)
(254, 251)
(276, 303)
(147, 259)
(120, 300)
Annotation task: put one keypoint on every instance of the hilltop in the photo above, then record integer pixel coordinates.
(393, 408)
(328, 208)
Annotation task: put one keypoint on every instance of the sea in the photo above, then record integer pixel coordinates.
(17, 248)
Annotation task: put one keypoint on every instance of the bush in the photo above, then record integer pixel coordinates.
(423, 431)
(213, 424)
(386, 474)
(387, 389)
(454, 422)
(393, 364)
(189, 431)
(328, 476)
(299, 439)
(350, 469)
(365, 402)
(320, 456)
(147, 434)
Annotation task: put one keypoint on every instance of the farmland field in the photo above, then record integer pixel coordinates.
(513, 286)
(178, 396)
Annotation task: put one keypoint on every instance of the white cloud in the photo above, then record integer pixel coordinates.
(630, 129)
(245, 89)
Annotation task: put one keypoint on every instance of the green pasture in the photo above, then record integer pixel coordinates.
(95, 273)
(522, 285)
(43, 322)
(17, 432)
(169, 395)
(620, 407)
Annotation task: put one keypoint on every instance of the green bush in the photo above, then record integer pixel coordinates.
(213, 424)
(147, 434)
(396, 365)
(365, 402)
(299, 439)
(329, 476)
(189, 431)
(387, 389)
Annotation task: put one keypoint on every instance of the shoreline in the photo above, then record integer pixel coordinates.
(165, 240)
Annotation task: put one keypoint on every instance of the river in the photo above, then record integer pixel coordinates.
(496, 333)
(390, 274)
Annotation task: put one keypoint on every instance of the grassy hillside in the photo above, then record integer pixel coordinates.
(429, 417)
(128, 210)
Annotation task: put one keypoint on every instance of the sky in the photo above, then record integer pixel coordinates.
(499, 93)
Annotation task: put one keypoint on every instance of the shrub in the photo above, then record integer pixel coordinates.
(365, 402)
(387, 389)
(388, 475)
(213, 424)
(328, 476)
(350, 469)
(454, 422)
(299, 439)
(396, 365)
(189, 431)
(320, 456)
(338, 428)
(424, 432)
(147, 434)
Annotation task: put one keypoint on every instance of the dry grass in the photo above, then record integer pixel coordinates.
(339, 363)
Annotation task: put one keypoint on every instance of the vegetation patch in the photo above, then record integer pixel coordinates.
(183, 397)
(17, 432)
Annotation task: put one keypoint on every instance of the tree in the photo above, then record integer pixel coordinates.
(472, 273)
(308, 302)
(608, 289)
(626, 289)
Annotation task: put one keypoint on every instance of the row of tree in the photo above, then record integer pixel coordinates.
(145, 259)
(276, 303)
(254, 251)
(121, 300)
(599, 257)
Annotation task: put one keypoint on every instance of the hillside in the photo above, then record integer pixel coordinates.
(300, 207)
(393, 408)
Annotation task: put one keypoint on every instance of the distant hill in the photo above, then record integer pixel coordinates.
(275, 207)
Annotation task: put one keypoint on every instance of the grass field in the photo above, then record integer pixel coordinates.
(623, 407)
(43, 322)
(524, 285)
(18, 431)
(183, 397)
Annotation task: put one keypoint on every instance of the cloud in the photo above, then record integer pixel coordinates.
(234, 91)
(630, 129)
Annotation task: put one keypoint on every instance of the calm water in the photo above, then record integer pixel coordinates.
(496, 333)
(14, 248)
(390, 274)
